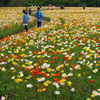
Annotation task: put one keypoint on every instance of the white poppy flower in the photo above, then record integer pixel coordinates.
(95, 93)
(45, 65)
(57, 92)
(87, 56)
(3, 69)
(57, 86)
(42, 79)
(95, 70)
(13, 77)
(98, 89)
(62, 83)
(89, 77)
(72, 89)
(9, 51)
(3, 98)
(30, 51)
(12, 68)
(54, 83)
(63, 75)
(21, 73)
(22, 59)
(71, 69)
(52, 70)
(29, 85)
(31, 66)
(70, 74)
(95, 61)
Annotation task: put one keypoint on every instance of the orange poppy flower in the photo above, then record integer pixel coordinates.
(48, 53)
(27, 69)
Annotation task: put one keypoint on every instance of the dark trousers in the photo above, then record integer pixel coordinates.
(29, 13)
(26, 28)
(38, 24)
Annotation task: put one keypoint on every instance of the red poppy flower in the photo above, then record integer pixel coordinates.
(78, 45)
(66, 37)
(97, 52)
(55, 52)
(20, 68)
(32, 74)
(3, 59)
(54, 57)
(44, 75)
(52, 61)
(4, 56)
(35, 52)
(18, 44)
(39, 73)
(81, 54)
(10, 55)
(44, 52)
(73, 66)
(36, 71)
(56, 75)
(48, 53)
(39, 59)
(68, 51)
(63, 78)
(56, 80)
(16, 57)
(37, 67)
(99, 46)
(91, 81)
(65, 58)
(66, 61)
(39, 62)
(27, 69)
(20, 56)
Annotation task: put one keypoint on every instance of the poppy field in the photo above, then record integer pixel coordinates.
(11, 20)
(59, 61)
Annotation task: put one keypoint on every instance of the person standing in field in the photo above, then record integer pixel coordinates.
(38, 16)
(25, 20)
(48, 7)
(29, 11)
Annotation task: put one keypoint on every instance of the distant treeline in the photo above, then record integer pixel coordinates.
(73, 3)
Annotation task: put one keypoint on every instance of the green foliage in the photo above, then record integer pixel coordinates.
(46, 2)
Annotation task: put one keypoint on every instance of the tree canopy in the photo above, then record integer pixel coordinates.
(73, 3)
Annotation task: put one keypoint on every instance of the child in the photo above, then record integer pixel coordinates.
(30, 11)
(25, 20)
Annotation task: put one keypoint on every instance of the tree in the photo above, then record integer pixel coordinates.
(46, 2)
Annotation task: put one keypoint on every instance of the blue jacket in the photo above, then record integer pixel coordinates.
(40, 14)
(25, 18)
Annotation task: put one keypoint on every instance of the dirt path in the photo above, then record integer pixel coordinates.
(31, 28)
(43, 23)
